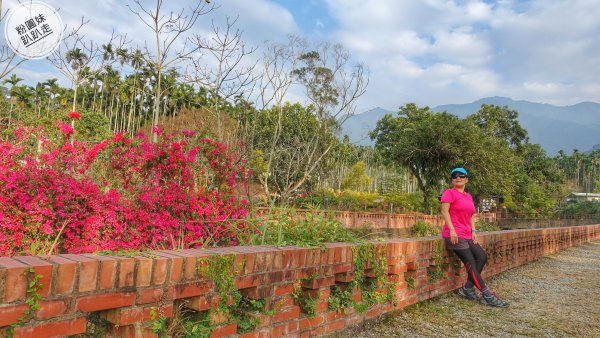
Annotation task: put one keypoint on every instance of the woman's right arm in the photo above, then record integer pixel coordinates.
(446, 214)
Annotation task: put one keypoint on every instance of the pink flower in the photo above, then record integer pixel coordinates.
(156, 130)
(153, 189)
(117, 137)
(74, 115)
(65, 128)
(188, 133)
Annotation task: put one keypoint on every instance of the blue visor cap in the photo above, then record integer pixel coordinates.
(459, 170)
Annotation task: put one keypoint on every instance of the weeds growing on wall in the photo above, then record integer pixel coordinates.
(232, 306)
(436, 272)
(32, 301)
(308, 303)
(377, 290)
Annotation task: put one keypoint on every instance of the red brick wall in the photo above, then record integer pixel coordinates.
(124, 290)
(351, 219)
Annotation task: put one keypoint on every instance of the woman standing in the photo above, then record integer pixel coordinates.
(460, 236)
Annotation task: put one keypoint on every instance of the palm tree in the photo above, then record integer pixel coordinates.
(53, 89)
(595, 163)
(77, 59)
(123, 56)
(169, 80)
(65, 95)
(577, 156)
(112, 80)
(86, 74)
(22, 94)
(136, 60)
(40, 94)
(13, 80)
(108, 54)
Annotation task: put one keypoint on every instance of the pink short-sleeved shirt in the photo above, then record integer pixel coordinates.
(462, 209)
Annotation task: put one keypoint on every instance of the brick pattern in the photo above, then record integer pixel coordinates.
(399, 222)
(124, 291)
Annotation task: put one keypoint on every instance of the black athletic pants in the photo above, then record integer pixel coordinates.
(474, 259)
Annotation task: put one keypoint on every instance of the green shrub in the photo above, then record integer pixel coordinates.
(281, 227)
(405, 201)
(422, 229)
(349, 200)
(487, 226)
(581, 209)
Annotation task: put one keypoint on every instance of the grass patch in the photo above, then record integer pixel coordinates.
(125, 253)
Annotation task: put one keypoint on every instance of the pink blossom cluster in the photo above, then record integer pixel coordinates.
(120, 193)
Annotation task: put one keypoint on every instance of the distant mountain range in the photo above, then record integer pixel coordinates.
(553, 127)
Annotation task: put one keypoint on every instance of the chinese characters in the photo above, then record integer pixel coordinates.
(33, 30)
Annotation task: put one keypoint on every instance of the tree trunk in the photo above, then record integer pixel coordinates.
(156, 106)
(74, 94)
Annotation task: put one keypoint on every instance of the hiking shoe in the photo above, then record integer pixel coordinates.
(493, 301)
(468, 293)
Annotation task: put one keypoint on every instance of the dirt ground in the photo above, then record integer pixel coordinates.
(556, 296)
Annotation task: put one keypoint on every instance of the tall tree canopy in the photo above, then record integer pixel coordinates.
(429, 144)
(500, 122)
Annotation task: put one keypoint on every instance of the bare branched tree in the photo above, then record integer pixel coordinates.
(279, 61)
(329, 83)
(9, 60)
(332, 88)
(227, 76)
(167, 30)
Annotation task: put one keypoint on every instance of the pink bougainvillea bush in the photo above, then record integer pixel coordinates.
(117, 194)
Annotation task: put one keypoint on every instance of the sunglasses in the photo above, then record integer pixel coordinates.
(455, 176)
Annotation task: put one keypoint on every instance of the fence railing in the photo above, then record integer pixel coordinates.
(354, 220)
(403, 222)
(535, 223)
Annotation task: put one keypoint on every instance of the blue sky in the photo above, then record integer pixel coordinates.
(429, 52)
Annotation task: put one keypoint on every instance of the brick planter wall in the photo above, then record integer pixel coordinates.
(123, 291)
(353, 220)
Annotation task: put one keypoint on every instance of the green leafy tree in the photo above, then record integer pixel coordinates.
(429, 144)
(330, 85)
(332, 88)
(357, 179)
(318, 81)
(426, 143)
(500, 122)
(539, 184)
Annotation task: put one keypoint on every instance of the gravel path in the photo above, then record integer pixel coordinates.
(557, 296)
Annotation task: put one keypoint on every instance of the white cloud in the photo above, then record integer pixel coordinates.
(429, 52)
(463, 46)
(441, 51)
(479, 11)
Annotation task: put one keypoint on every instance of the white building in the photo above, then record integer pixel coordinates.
(583, 196)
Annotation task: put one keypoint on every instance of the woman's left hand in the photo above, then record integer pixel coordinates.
(474, 235)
